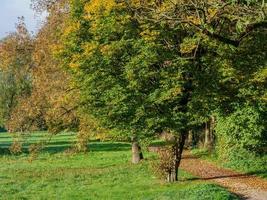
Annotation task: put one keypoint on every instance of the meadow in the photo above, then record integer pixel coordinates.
(104, 172)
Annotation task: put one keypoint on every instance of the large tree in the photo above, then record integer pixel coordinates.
(216, 38)
(130, 78)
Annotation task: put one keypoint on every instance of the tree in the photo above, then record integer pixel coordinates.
(210, 32)
(53, 99)
(15, 70)
(151, 66)
(129, 78)
(81, 40)
(242, 127)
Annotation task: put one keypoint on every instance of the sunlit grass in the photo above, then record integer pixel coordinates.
(103, 173)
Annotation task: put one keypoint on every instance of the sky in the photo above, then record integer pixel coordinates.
(10, 10)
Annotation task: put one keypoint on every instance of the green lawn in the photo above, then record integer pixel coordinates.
(103, 173)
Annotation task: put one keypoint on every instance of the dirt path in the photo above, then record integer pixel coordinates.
(246, 186)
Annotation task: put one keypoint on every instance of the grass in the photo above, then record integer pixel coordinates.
(254, 165)
(104, 173)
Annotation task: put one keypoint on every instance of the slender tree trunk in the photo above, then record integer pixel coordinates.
(189, 140)
(209, 133)
(207, 136)
(137, 154)
(212, 134)
(178, 148)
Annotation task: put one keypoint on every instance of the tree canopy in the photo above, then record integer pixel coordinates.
(141, 68)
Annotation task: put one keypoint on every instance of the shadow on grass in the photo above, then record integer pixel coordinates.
(4, 145)
(61, 146)
(4, 137)
(234, 195)
(243, 176)
(57, 147)
(4, 151)
(109, 146)
(261, 173)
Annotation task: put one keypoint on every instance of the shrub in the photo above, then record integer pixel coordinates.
(243, 131)
(16, 147)
(164, 166)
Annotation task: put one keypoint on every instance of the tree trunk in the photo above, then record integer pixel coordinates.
(207, 136)
(179, 145)
(137, 154)
(209, 133)
(212, 134)
(177, 152)
(189, 141)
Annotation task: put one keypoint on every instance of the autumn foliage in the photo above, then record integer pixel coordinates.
(140, 68)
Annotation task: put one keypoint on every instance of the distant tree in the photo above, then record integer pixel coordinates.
(52, 102)
(15, 70)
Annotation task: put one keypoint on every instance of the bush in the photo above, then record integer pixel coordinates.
(242, 131)
(165, 165)
(241, 140)
(16, 147)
